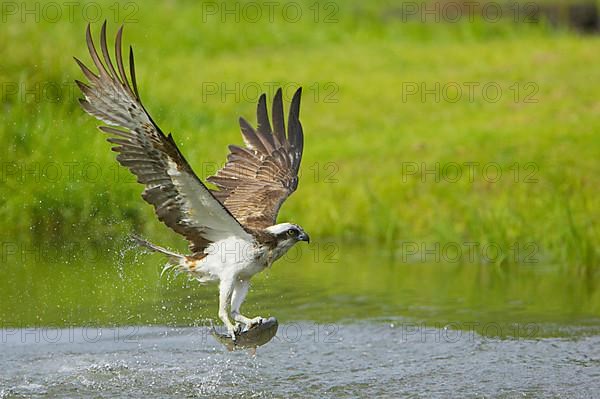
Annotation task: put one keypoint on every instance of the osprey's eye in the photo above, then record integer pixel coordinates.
(293, 233)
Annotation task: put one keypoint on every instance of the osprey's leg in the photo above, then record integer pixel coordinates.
(225, 290)
(240, 289)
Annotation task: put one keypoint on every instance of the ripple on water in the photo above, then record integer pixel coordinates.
(366, 359)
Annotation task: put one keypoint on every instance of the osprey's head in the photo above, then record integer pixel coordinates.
(287, 235)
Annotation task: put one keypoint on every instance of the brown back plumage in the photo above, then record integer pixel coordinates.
(256, 180)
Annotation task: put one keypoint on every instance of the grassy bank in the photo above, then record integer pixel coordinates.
(384, 161)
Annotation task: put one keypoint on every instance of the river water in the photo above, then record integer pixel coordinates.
(352, 325)
(367, 359)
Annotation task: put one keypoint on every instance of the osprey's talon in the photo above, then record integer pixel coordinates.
(232, 331)
(238, 328)
(257, 321)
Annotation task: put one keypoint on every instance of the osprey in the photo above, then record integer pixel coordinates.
(232, 230)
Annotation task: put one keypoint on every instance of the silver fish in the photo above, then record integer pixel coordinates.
(252, 338)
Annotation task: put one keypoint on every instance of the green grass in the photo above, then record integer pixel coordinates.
(352, 189)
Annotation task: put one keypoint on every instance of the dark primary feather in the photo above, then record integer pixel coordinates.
(180, 199)
(256, 180)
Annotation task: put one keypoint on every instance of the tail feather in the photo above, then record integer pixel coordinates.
(155, 248)
(177, 263)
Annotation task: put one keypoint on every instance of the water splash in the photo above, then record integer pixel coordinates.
(129, 246)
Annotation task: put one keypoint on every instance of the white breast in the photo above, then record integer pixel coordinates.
(233, 256)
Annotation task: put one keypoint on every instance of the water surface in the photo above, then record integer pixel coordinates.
(370, 359)
(354, 323)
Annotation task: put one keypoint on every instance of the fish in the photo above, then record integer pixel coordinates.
(251, 338)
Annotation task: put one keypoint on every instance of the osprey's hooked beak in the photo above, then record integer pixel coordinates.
(304, 237)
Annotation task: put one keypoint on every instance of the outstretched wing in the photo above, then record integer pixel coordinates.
(257, 179)
(180, 199)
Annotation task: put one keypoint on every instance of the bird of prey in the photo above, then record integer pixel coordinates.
(232, 230)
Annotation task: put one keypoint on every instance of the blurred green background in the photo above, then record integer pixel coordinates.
(395, 104)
